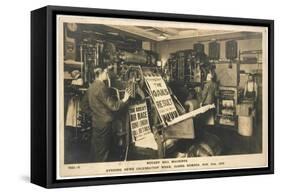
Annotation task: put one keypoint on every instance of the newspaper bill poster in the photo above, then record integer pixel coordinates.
(142, 135)
(139, 122)
(161, 98)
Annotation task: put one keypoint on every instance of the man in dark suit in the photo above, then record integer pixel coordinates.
(103, 105)
(209, 91)
(209, 94)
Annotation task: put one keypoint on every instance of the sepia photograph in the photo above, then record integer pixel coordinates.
(139, 97)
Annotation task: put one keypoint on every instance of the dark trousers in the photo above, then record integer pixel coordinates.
(101, 143)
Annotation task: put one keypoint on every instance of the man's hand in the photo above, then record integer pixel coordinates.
(127, 94)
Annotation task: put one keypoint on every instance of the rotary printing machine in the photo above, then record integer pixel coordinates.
(135, 69)
(187, 70)
(228, 74)
(129, 69)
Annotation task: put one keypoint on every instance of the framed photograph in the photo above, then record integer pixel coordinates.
(125, 96)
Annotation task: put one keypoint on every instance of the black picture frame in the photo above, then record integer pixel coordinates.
(43, 96)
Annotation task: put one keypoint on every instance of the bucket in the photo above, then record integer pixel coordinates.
(245, 125)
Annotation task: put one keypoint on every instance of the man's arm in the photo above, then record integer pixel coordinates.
(245, 89)
(204, 93)
(256, 90)
(109, 101)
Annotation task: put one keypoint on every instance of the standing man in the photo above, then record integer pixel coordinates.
(209, 96)
(103, 106)
(251, 88)
(209, 90)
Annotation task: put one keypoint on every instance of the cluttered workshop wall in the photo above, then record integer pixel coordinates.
(245, 44)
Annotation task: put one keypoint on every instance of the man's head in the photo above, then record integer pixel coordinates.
(250, 77)
(101, 74)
